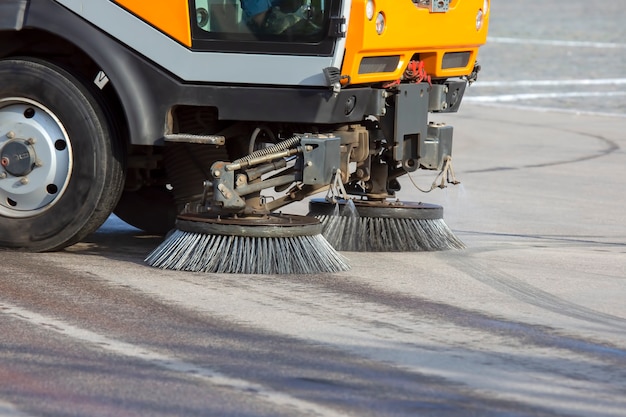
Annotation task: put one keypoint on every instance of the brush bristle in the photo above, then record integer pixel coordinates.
(199, 252)
(377, 234)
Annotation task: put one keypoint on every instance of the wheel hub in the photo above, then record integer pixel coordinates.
(35, 158)
(18, 158)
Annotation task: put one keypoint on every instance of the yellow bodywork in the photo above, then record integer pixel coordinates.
(169, 16)
(411, 30)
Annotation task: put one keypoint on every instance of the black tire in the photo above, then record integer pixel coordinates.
(151, 209)
(76, 170)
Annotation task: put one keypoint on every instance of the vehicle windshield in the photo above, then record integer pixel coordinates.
(274, 21)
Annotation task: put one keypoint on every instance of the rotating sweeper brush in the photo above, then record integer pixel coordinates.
(377, 222)
(384, 226)
(233, 229)
(272, 244)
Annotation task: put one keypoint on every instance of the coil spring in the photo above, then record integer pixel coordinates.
(280, 146)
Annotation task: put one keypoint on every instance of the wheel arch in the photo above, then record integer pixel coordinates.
(60, 52)
(53, 33)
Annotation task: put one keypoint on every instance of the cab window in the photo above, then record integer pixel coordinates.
(270, 26)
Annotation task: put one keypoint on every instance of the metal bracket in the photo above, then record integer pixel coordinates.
(321, 157)
(337, 27)
(439, 6)
(410, 123)
(336, 189)
(224, 193)
(435, 6)
(333, 78)
(447, 174)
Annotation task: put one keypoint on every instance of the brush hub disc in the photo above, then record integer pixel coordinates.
(377, 209)
(271, 225)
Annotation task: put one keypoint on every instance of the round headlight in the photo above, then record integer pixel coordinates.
(370, 7)
(380, 23)
(479, 19)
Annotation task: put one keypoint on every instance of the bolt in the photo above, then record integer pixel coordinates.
(24, 180)
(3, 175)
(10, 134)
(31, 141)
(225, 192)
(241, 180)
(38, 163)
(217, 173)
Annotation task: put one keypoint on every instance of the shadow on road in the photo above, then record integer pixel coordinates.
(117, 240)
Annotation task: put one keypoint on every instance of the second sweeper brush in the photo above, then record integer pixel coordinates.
(384, 226)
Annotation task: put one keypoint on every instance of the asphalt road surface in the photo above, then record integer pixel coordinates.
(529, 320)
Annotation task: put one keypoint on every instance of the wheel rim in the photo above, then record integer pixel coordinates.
(35, 158)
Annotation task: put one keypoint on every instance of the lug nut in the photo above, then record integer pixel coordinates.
(24, 180)
(10, 134)
(3, 175)
(31, 141)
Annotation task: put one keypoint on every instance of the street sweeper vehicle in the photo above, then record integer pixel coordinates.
(205, 118)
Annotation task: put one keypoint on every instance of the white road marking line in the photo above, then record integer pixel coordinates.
(536, 96)
(549, 83)
(170, 363)
(9, 410)
(556, 42)
(496, 99)
(551, 109)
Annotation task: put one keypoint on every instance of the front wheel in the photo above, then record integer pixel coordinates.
(61, 166)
